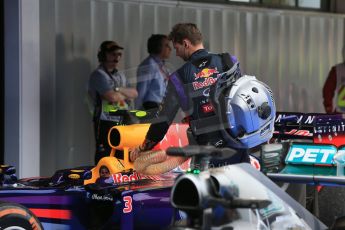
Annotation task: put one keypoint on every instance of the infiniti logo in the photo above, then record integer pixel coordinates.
(206, 92)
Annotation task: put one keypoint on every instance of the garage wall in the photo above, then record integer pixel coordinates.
(291, 51)
(21, 85)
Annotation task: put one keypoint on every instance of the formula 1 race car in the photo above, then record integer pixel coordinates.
(309, 149)
(88, 198)
(112, 195)
(312, 147)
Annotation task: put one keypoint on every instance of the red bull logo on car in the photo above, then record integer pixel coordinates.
(120, 178)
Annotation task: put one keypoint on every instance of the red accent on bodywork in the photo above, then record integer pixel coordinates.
(175, 137)
(52, 213)
(330, 139)
(255, 163)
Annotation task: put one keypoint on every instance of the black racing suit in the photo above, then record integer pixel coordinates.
(188, 88)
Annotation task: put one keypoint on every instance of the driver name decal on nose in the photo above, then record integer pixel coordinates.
(311, 154)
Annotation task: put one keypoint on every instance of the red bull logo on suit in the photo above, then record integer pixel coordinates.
(205, 73)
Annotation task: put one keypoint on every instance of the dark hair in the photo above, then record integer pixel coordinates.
(107, 46)
(186, 31)
(155, 43)
(103, 167)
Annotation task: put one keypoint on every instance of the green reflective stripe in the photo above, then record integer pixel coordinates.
(140, 114)
(341, 98)
(106, 107)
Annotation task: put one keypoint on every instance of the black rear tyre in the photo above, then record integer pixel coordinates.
(15, 216)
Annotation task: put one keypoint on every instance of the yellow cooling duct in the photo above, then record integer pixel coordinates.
(127, 136)
(121, 138)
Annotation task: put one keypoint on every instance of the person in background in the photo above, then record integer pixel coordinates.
(152, 73)
(188, 88)
(104, 172)
(109, 92)
(334, 88)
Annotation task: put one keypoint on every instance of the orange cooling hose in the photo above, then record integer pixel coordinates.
(156, 162)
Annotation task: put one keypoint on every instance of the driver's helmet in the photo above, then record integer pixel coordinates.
(247, 110)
